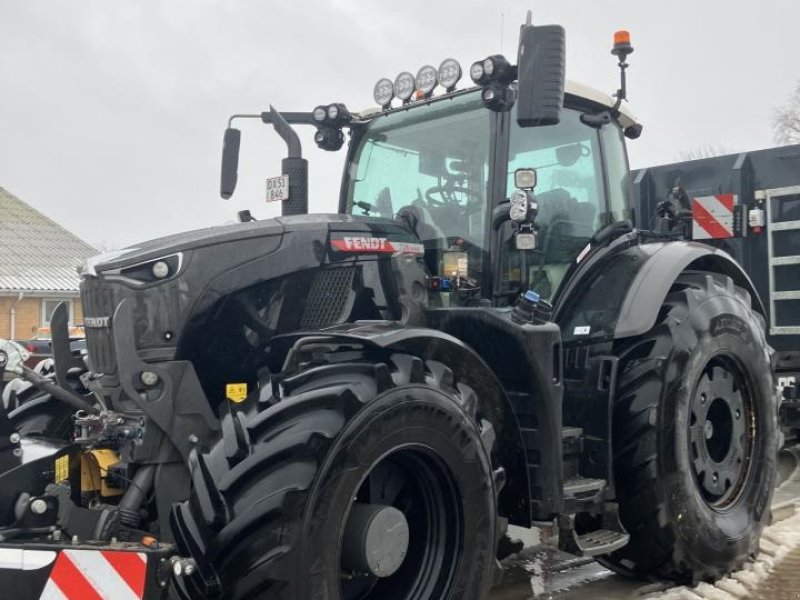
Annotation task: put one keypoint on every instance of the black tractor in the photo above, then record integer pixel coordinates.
(357, 405)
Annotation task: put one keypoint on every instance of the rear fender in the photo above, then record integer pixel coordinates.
(622, 294)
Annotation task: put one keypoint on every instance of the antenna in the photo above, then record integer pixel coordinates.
(502, 28)
(529, 18)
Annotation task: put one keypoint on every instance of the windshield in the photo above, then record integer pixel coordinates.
(430, 164)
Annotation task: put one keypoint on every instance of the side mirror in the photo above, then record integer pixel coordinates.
(541, 66)
(230, 162)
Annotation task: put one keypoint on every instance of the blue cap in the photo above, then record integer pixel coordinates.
(532, 296)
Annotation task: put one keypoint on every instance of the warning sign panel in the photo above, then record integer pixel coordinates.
(713, 217)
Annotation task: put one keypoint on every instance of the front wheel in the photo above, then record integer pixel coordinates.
(365, 482)
(695, 435)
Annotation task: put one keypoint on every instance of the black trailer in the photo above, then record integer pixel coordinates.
(749, 205)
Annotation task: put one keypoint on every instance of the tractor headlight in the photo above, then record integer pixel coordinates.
(427, 80)
(160, 269)
(404, 86)
(449, 73)
(383, 92)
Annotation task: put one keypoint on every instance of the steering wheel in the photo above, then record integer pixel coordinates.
(446, 198)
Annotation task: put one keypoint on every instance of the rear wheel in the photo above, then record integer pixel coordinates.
(368, 480)
(695, 435)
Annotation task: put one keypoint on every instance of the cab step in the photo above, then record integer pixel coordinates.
(593, 543)
(581, 493)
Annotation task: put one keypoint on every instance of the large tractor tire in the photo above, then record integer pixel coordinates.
(367, 480)
(695, 435)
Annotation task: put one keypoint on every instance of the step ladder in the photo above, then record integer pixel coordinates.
(585, 494)
(783, 223)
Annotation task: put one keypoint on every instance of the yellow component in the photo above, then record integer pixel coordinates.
(61, 468)
(94, 468)
(236, 392)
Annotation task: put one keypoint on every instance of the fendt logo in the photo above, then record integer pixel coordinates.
(365, 243)
(352, 243)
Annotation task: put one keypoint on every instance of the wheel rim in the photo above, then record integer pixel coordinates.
(417, 483)
(721, 430)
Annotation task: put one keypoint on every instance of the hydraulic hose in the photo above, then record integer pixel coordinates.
(139, 488)
(59, 393)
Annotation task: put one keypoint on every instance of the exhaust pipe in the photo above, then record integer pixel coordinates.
(294, 165)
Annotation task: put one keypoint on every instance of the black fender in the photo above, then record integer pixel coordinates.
(467, 366)
(620, 293)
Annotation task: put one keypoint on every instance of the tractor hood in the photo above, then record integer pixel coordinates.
(184, 280)
(242, 232)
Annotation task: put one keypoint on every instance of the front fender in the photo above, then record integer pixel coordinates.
(469, 368)
(623, 292)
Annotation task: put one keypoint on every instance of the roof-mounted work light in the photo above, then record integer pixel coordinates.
(449, 74)
(427, 79)
(383, 93)
(329, 121)
(495, 74)
(404, 86)
(332, 115)
(329, 138)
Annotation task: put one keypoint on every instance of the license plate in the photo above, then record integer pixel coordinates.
(278, 188)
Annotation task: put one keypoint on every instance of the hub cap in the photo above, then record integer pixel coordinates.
(403, 533)
(721, 422)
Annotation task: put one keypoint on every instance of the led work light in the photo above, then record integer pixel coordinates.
(383, 93)
(427, 79)
(449, 74)
(404, 86)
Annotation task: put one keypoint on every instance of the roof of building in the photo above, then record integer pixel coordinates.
(36, 253)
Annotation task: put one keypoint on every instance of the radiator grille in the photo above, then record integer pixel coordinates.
(98, 301)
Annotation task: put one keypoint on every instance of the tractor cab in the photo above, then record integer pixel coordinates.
(447, 168)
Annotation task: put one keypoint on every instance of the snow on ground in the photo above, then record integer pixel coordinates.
(778, 540)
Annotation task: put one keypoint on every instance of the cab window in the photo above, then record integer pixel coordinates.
(570, 191)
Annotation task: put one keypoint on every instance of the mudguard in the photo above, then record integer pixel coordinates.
(467, 366)
(619, 294)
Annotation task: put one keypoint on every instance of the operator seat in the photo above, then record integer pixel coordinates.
(565, 225)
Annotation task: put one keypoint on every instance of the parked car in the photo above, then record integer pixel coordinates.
(41, 348)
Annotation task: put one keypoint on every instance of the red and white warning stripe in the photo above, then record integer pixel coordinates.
(712, 216)
(370, 244)
(97, 575)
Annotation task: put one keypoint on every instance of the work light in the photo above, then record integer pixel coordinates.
(449, 74)
(477, 73)
(319, 114)
(497, 68)
(427, 80)
(383, 92)
(404, 86)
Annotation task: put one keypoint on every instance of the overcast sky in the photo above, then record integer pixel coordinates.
(112, 111)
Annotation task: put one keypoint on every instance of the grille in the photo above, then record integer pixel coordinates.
(329, 298)
(98, 301)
